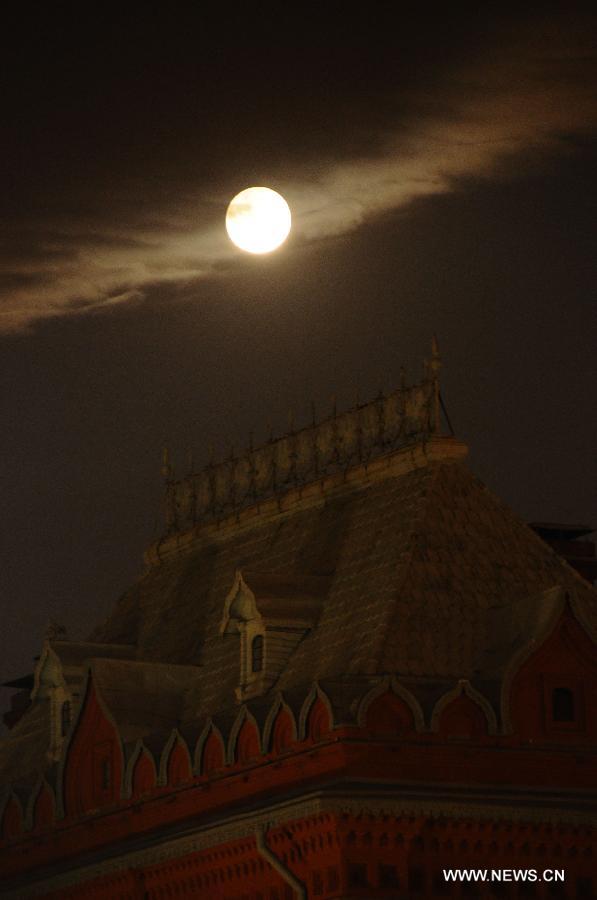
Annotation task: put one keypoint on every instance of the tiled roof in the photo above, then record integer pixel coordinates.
(431, 576)
(428, 575)
(142, 697)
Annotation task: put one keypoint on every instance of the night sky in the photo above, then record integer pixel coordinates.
(442, 179)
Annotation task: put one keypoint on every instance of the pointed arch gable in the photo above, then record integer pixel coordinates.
(391, 685)
(41, 806)
(210, 751)
(144, 776)
(175, 754)
(92, 766)
(562, 604)
(12, 817)
(272, 723)
(315, 696)
(141, 756)
(49, 684)
(465, 690)
(562, 667)
(245, 729)
(48, 662)
(239, 606)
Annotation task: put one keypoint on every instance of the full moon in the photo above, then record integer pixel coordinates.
(258, 220)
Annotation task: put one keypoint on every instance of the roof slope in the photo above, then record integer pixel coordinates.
(431, 576)
(427, 575)
(437, 579)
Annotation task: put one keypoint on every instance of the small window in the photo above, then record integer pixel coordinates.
(257, 653)
(562, 705)
(65, 717)
(388, 876)
(317, 884)
(333, 878)
(357, 875)
(416, 880)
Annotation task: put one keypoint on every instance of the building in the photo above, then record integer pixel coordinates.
(347, 667)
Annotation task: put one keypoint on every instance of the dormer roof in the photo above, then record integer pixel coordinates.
(278, 600)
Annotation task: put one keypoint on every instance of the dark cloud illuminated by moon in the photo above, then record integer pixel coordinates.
(528, 101)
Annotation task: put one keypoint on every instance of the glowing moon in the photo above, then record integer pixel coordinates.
(258, 220)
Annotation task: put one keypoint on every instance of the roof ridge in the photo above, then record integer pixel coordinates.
(344, 440)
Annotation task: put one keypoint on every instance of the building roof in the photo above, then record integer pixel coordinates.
(400, 563)
(430, 576)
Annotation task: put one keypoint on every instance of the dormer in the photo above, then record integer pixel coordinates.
(271, 613)
(51, 685)
(59, 677)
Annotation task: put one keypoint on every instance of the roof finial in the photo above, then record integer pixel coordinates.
(435, 358)
(55, 631)
(167, 470)
(434, 369)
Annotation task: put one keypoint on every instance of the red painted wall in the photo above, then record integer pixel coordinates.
(389, 714)
(43, 811)
(337, 855)
(463, 718)
(566, 660)
(212, 757)
(12, 820)
(93, 769)
(247, 743)
(179, 765)
(282, 732)
(143, 779)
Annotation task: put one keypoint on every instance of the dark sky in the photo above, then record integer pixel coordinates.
(442, 178)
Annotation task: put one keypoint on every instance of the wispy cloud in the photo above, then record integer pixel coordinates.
(489, 122)
(485, 121)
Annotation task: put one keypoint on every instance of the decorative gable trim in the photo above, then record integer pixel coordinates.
(88, 688)
(41, 785)
(12, 797)
(464, 687)
(239, 607)
(272, 613)
(278, 705)
(140, 748)
(315, 693)
(209, 729)
(555, 601)
(243, 716)
(390, 683)
(50, 684)
(173, 741)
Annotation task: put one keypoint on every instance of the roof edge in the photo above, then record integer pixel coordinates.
(435, 449)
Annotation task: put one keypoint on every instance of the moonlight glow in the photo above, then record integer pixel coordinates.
(258, 220)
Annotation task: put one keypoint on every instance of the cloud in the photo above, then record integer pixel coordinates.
(68, 274)
(486, 120)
